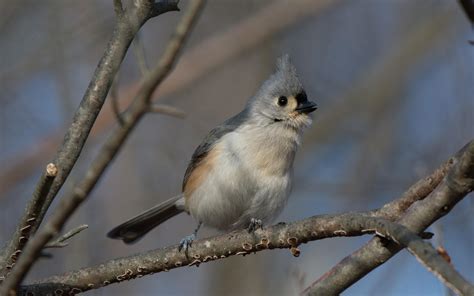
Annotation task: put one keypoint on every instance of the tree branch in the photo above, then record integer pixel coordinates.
(139, 52)
(80, 128)
(239, 38)
(9, 257)
(423, 252)
(167, 110)
(138, 108)
(241, 243)
(118, 9)
(114, 102)
(280, 236)
(455, 185)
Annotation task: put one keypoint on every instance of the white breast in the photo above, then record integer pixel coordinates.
(251, 178)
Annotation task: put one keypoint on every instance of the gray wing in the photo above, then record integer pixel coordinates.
(210, 140)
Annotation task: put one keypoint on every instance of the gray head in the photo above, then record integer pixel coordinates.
(281, 99)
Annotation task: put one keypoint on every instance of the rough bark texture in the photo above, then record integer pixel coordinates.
(455, 186)
(416, 203)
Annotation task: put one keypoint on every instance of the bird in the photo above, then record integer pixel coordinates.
(240, 176)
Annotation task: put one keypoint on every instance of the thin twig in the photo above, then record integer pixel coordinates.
(139, 52)
(167, 110)
(60, 242)
(71, 202)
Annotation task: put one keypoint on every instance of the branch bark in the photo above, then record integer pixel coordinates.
(278, 236)
(241, 37)
(423, 252)
(456, 184)
(138, 108)
(82, 123)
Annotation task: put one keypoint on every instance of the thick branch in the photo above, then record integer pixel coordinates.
(80, 128)
(423, 252)
(10, 255)
(286, 236)
(137, 265)
(139, 107)
(280, 236)
(457, 184)
(418, 191)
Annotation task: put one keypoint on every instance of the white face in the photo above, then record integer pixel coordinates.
(291, 111)
(288, 113)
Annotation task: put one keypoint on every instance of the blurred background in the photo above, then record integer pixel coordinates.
(394, 81)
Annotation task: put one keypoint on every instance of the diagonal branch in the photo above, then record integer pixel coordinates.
(239, 38)
(456, 184)
(82, 123)
(10, 255)
(138, 108)
(242, 243)
(423, 252)
(167, 110)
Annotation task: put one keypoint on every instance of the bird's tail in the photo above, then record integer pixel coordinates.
(135, 228)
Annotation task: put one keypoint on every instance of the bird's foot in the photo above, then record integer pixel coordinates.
(186, 242)
(255, 224)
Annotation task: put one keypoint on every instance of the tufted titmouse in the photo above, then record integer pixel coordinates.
(240, 175)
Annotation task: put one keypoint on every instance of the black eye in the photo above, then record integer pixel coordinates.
(282, 101)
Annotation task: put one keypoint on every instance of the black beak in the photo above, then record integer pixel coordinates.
(306, 107)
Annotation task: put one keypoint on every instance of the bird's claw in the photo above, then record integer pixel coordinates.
(186, 243)
(255, 224)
